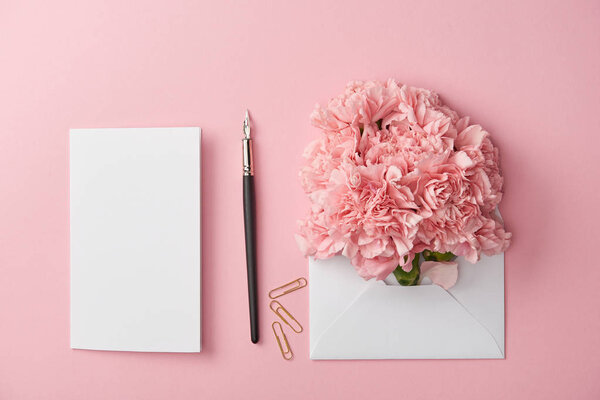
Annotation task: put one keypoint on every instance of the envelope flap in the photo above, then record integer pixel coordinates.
(405, 322)
(334, 285)
(480, 290)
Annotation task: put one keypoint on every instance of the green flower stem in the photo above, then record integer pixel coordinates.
(410, 278)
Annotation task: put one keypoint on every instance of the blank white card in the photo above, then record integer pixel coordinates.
(135, 239)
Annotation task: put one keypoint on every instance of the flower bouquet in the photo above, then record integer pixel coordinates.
(400, 183)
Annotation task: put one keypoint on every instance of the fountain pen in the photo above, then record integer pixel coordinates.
(250, 228)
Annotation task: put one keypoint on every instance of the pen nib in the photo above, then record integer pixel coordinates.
(247, 126)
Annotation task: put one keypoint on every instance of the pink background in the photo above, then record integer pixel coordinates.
(527, 71)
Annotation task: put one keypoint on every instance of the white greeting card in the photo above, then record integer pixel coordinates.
(135, 239)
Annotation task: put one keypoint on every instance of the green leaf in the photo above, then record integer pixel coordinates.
(429, 255)
(410, 278)
(379, 122)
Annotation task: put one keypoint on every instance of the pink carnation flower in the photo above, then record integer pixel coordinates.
(396, 172)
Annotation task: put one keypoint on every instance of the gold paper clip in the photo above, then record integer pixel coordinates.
(287, 288)
(284, 346)
(276, 307)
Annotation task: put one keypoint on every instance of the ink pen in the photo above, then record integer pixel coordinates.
(250, 228)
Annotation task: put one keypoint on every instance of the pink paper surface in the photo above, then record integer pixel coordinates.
(527, 71)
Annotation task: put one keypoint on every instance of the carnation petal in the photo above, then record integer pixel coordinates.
(373, 248)
(303, 244)
(444, 274)
(461, 159)
(471, 136)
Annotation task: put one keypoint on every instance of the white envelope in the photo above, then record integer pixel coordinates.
(355, 319)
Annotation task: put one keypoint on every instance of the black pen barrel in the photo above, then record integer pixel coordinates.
(250, 233)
